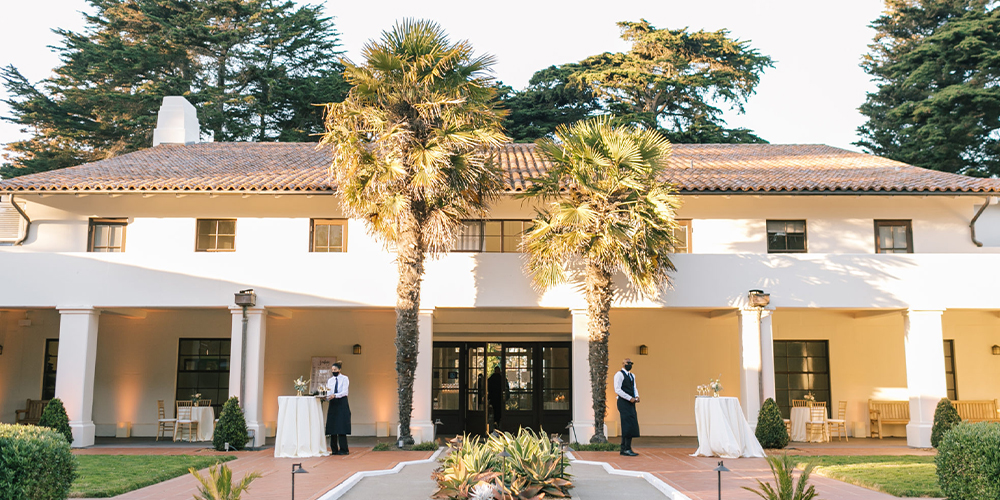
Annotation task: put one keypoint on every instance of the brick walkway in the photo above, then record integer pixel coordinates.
(694, 476)
(324, 472)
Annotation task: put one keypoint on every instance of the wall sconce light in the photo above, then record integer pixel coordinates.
(643, 350)
(996, 350)
(357, 348)
(758, 298)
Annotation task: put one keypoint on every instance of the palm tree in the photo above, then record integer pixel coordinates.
(413, 154)
(608, 211)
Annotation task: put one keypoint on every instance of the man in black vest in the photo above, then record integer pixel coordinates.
(628, 396)
(338, 417)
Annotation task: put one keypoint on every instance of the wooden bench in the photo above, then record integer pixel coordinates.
(31, 413)
(977, 411)
(887, 412)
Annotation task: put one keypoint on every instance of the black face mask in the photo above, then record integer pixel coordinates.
(628, 367)
(335, 373)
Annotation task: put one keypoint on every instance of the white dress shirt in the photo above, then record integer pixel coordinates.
(619, 377)
(341, 382)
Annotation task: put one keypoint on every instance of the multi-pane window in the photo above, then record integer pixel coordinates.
(107, 235)
(556, 378)
(445, 381)
(203, 368)
(893, 236)
(786, 236)
(491, 236)
(801, 367)
(216, 235)
(949, 369)
(682, 236)
(328, 235)
(49, 372)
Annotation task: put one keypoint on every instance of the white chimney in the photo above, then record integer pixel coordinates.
(176, 122)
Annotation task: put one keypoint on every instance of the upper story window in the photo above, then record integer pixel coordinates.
(893, 236)
(682, 236)
(491, 236)
(786, 236)
(328, 235)
(216, 235)
(107, 235)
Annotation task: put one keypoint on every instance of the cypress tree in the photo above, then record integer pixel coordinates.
(945, 417)
(54, 417)
(771, 431)
(232, 427)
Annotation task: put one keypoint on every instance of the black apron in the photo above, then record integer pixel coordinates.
(338, 417)
(626, 409)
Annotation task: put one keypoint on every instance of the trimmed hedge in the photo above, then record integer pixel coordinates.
(232, 427)
(771, 431)
(54, 417)
(968, 461)
(35, 463)
(945, 417)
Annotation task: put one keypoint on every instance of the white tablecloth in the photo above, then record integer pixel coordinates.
(722, 429)
(799, 417)
(300, 428)
(205, 416)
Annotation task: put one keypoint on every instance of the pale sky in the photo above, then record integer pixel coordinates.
(811, 95)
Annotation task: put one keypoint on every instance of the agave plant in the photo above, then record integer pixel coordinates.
(219, 483)
(785, 487)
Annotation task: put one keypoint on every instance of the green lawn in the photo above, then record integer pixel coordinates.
(902, 476)
(102, 476)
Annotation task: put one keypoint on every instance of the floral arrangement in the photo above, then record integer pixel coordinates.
(716, 385)
(196, 397)
(809, 397)
(301, 386)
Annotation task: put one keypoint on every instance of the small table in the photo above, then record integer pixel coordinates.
(301, 429)
(799, 417)
(205, 416)
(722, 429)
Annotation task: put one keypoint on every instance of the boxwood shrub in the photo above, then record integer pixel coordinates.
(771, 431)
(232, 427)
(968, 461)
(54, 417)
(35, 463)
(945, 417)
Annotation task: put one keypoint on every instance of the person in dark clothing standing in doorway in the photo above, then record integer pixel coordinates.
(628, 396)
(498, 389)
(338, 418)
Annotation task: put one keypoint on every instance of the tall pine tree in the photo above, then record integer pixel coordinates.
(936, 64)
(254, 69)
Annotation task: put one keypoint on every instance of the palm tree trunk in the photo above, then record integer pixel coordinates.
(410, 262)
(599, 295)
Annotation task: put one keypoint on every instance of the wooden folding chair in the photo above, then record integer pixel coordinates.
(817, 422)
(204, 402)
(839, 424)
(163, 424)
(799, 403)
(185, 419)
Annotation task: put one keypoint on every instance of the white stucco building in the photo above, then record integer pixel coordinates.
(119, 292)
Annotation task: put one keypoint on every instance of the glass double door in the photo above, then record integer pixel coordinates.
(482, 386)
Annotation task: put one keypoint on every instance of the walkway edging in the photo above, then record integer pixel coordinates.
(669, 491)
(342, 488)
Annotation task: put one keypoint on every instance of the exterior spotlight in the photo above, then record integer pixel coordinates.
(758, 298)
(643, 350)
(720, 469)
(296, 469)
(357, 348)
(996, 350)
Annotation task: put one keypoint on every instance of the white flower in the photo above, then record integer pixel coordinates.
(482, 491)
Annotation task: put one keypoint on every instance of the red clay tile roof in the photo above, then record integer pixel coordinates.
(300, 167)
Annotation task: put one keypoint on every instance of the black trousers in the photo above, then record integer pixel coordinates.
(334, 439)
(626, 443)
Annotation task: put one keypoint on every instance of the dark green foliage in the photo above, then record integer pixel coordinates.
(968, 461)
(771, 430)
(670, 80)
(232, 427)
(256, 79)
(425, 446)
(945, 417)
(35, 463)
(937, 104)
(383, 447)
(596, 446)
(54, 417)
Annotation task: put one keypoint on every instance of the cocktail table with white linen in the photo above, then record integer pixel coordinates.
(205, 416)
(300, 428)
(722, 429)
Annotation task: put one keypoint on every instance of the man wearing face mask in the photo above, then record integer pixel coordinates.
(338, 418)
(628, 396)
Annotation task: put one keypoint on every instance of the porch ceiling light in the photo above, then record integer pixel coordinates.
(758, 298)
(643, 350)
(996, 350)
(357, 348)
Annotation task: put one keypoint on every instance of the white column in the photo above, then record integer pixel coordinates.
(75, 374)
(767, 355)
(583, 400)
(925, 382)
(751, 365)
(253, 372)
(421, 425)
